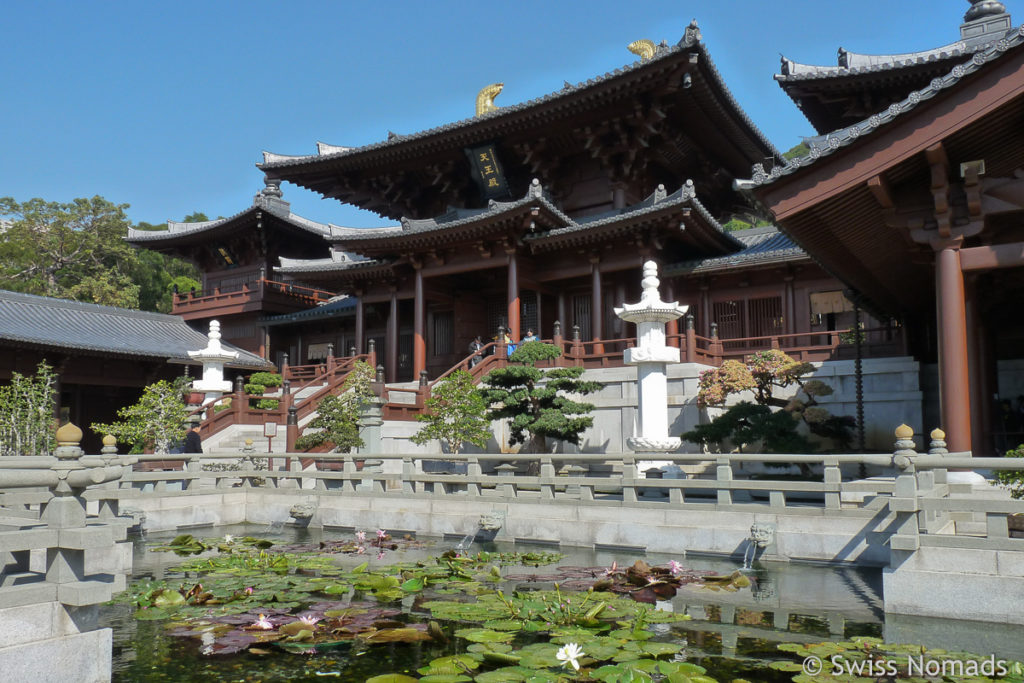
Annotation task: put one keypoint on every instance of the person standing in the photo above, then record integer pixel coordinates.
(530, 336)
(193, 444)
(474, 348)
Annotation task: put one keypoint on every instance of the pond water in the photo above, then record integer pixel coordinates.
(731, 633)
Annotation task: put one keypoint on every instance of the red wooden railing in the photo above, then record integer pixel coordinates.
(605, 353)
(244, 292)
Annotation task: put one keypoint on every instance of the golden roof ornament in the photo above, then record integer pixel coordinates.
(485, 98)
(643, 48)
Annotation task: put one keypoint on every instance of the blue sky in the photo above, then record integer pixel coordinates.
(167, 106)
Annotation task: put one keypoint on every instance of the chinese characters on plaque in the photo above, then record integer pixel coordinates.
(487, 171)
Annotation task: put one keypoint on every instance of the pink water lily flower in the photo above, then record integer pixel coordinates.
(381, 534)
(248, 590)
(309, 620)
(360, 537)
(262, 623)
(675, 568)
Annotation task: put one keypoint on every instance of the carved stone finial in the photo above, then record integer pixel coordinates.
(485, 98)
(272, 187)
(69, 435)
(643, 48)
(984, 8)
(938, 435)
(904, 432)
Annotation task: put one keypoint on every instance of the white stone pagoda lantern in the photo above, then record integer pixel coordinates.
(213, 358)
(651, 357)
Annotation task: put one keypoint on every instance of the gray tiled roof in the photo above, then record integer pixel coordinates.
(760, 246)
(825, 145)
(325, 265)
(342, 306)
(855, 64)
(276, 207)
(691, 41)
(658, 201)
(71, 326)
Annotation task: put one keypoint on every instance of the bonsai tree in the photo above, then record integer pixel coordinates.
(26, 413)
(337, 422)
(455, 414)
(537, 403)
(258, 384)
(155, 420)
(746, 423)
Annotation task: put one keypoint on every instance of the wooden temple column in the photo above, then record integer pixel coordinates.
(419, 340)
(566, 323)
(978, 359)
(672, 327)
(789, 307)
(513, 295)
(704, 311)
(954, 387)
(596, 305)
(360, 322)
(391, 370)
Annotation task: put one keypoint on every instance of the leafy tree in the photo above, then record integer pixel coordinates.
(52, 246)
(155, 420)
(455, 414)
(1013, 479)
(77, 250)
(536, 402)
(337, 420)
(744, 423)
(27, 425)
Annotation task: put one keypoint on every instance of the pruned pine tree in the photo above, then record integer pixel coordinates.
(539, 404)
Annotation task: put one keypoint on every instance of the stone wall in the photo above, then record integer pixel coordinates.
(892, 396)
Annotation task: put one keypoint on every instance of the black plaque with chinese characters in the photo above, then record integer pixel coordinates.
(487, 171)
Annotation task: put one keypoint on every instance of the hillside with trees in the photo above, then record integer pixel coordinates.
(76, 250)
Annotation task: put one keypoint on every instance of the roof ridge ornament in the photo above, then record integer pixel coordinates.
(691, 36)
(984, 8)
(643, 48)
(536, 190)
(485, 98)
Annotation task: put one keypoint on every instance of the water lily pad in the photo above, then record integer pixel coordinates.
(310, 648)
(504, 625)
(413, 585)
(395, 635)
(483, 635)
(152, 614)
(454, 665)
(392, 678)
(445, 678)
(507, 674)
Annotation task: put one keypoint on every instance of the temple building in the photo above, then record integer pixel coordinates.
(537, 216)
(517, 218)
(913, 195)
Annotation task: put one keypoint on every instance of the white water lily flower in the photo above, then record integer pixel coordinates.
(569, 654)
(228, 538)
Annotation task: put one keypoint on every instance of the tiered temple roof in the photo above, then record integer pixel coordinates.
(648, 123)
(859, 85)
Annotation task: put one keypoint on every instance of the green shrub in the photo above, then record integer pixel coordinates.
(267, 379)
(267, 404)
(1013, 479)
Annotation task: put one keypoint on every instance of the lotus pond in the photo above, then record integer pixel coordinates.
(263, 604)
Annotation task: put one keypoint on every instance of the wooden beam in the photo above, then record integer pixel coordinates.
(988, 258)
(879, 187)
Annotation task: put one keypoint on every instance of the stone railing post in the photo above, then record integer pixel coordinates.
(833, 478)
(629, 476)
(904, 501)
(350, 469)
(547, 472)
(724, 474)
(473, 473)
(284, 365)
(330, 357)
(408, 471)
(238, 403)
